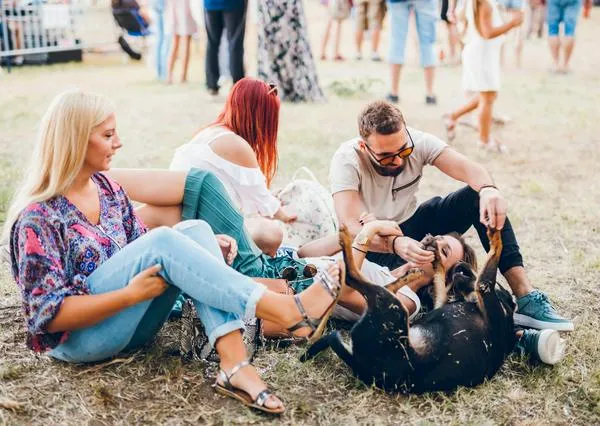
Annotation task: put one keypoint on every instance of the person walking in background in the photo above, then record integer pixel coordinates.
(538, 17)
(181, 24)
(228, 16)
(162, 40)
(284, 54)
(508, 8)
(447, 15)
(425, 12)
(369, 16)
(339, 11)
(567, 12)
(481, 66)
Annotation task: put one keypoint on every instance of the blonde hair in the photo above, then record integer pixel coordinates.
(60, 149)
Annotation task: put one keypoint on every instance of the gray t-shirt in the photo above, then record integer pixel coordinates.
(391, 198)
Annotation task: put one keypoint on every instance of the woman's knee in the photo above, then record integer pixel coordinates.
(197, 225)
(268, 236)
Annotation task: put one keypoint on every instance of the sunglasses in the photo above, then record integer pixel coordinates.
(290, 273)
(272, 89)
(388, 160)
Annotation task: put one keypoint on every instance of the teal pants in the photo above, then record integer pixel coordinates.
(206, 198)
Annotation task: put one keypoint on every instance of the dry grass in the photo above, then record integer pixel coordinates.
(548, 179)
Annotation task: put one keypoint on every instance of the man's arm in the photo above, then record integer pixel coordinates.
(349, 207)
(459, 167)
(492, 205)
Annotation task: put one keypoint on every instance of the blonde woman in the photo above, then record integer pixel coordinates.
(94, 282)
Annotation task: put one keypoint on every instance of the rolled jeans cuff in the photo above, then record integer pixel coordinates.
(253, 299)
(224, 329)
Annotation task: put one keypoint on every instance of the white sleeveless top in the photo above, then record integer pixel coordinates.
(481, 69)
(247, 186)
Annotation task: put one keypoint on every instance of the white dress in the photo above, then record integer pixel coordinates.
(246, 186)
(179, 19)
(481, 57)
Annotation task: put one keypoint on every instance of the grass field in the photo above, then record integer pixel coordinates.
(550, 180)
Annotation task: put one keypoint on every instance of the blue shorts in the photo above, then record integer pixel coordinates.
(566, 11)
(511, 4)
(426, 14)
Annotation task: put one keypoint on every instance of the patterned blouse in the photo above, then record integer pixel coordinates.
(54, 248)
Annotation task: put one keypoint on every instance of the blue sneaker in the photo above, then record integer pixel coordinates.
(535, 310)
(542, 345)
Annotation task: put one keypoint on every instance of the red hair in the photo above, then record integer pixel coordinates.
(252, 112)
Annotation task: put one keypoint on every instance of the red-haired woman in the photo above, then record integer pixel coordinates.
(240, 148)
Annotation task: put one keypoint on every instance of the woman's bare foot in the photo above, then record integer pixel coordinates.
(450, 125)
(315, 300)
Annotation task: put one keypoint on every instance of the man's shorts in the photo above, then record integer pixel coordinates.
(444, 11)
(566, 11)
(370, 14)
(426, 13)
(511, 4)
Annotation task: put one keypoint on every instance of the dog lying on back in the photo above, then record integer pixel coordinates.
(460, 343)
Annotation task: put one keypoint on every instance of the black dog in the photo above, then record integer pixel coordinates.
(458, 343)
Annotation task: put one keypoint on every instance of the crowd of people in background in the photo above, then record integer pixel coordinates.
(482, 36)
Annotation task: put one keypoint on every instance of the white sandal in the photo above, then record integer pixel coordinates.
(493, 146)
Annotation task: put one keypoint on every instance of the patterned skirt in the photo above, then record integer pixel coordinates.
(284, 54)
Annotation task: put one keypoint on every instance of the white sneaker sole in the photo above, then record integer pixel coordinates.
(551, 348)
(527, 321)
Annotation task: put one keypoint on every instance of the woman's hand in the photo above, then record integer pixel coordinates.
(366, 218)
(146, 285)
(401, 271)
(381, 228)
(228, 246)
(285, 215)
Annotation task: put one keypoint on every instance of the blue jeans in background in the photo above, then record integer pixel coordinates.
(192, 262)
(566, 11)
(162, 40)
(426, 15)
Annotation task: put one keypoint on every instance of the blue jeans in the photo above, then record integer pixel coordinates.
(191, 262)
(163, 40)
(566, 11)
(426, 16)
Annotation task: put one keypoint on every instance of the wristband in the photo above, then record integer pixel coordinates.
(394, 244)
(482, 187)
(357, 249)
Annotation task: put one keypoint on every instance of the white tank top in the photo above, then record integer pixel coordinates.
(247, 186)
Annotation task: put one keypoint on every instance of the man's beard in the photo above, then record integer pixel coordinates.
(388, 171)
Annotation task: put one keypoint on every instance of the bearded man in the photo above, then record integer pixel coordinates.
(379, 174)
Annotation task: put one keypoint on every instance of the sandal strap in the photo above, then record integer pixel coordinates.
(226, 378)
(306, 321)
(327, 283)
(262, 397)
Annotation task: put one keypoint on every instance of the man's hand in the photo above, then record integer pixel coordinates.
(412, 251)
(492, 208)
(228, 247)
